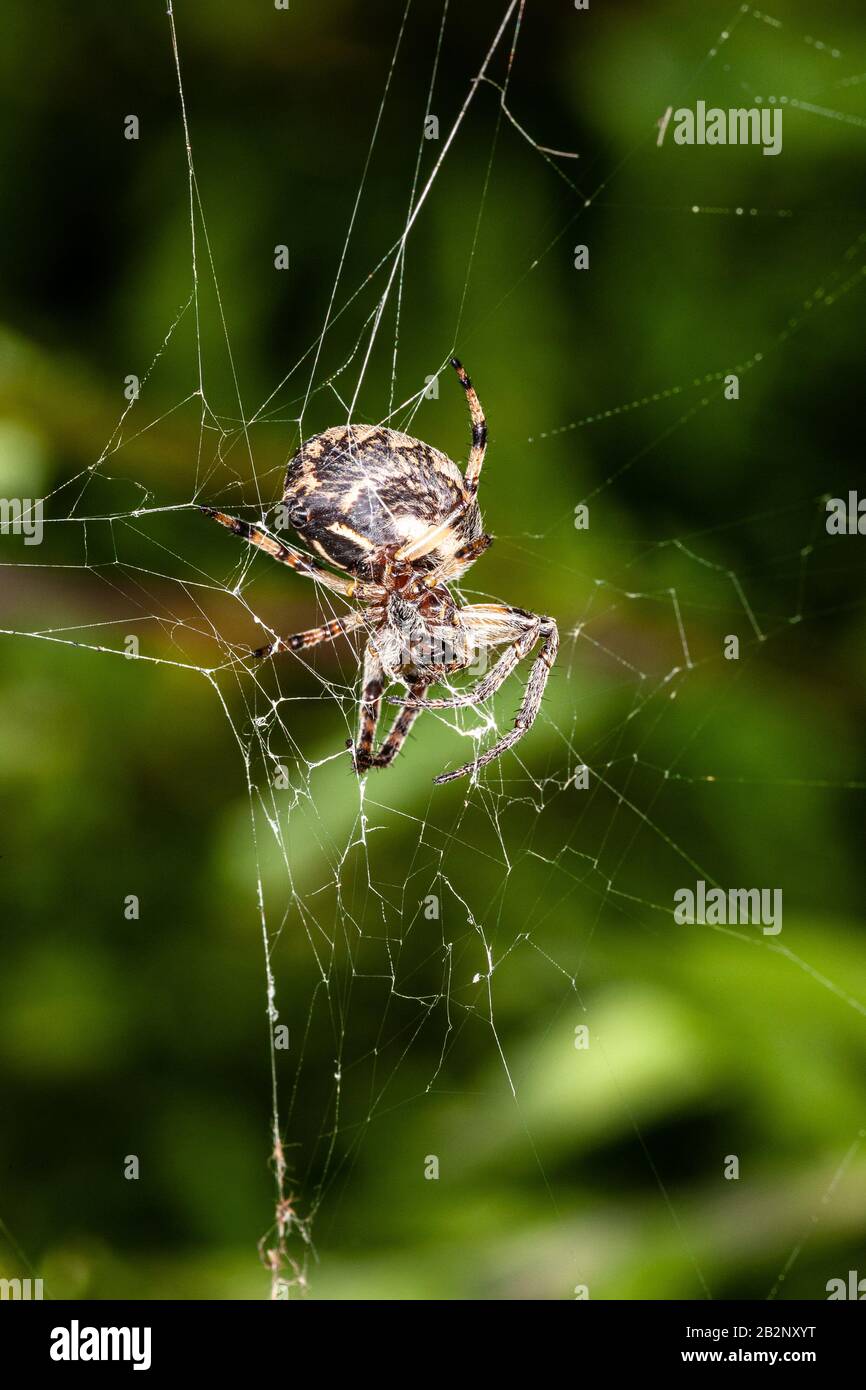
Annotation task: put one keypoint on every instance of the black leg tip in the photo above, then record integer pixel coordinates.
(360, 764)
(462, 373)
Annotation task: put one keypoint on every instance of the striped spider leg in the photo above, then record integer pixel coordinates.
(373, 684)
(295, 559)
(285, 554)
(312, 636)
(435, 535)
(490, 624)
(479, 431)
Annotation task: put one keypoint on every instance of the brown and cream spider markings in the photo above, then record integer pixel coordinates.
(401, 519)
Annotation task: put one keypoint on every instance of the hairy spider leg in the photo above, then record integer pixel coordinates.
(401, 726)
(479, 430)
(429, 539)
(456, 564)
(285, 554)
(363, 756)
(326, 632)
(492, 623)
(372, 685)
(414, 550)
(547, 631)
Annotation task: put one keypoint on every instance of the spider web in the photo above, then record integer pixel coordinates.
(407, 932)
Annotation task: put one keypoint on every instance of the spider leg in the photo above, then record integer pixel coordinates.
(479, 430)
(491, 624)
(327, 632)
(456, 564)
(413, 550)
(400, 728)
(527, 629)
(495, 677)
(371, 704)
(429, 539)
(286, 554)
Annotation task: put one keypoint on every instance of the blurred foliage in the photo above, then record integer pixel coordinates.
(121, 777)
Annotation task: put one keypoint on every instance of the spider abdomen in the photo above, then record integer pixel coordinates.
(357, 493)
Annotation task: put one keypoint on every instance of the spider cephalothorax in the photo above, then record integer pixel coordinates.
(403, 521)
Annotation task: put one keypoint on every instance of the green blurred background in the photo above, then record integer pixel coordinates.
(149, 777)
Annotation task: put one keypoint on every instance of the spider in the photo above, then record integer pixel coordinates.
(400, 518)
